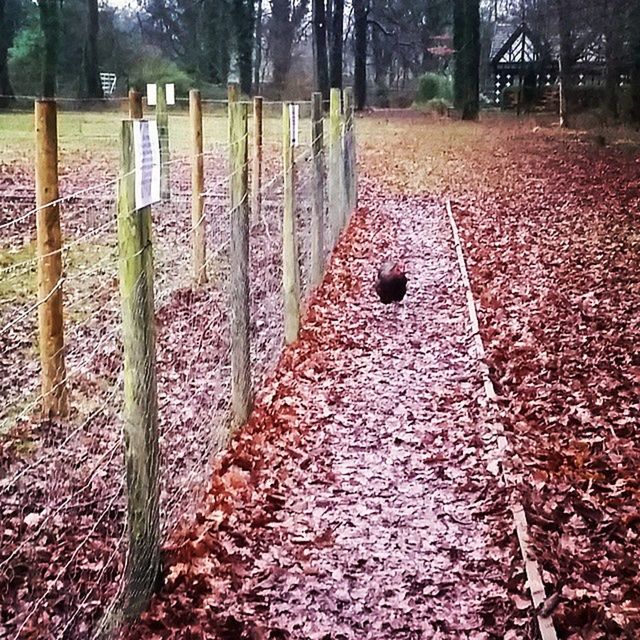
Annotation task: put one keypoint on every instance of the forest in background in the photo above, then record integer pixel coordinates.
(286, 48)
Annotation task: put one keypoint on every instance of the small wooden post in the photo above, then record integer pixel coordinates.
(335, 167)
(290, 264)
(256, 169)
(135, 105)
(49, 248)
(317, 204)
(349, 153)
(198, 223)
(162, 118)
(241, 399)
(140, 396)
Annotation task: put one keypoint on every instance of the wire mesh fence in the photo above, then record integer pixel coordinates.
(67, 568)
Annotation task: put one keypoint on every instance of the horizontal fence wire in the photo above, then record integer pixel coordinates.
(63, 547)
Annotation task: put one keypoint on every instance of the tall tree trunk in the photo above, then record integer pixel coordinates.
(6, 90)
(216, 41)
(281, 35)
(258, 45)
(93, 86)
(459, 69)
(320, 58)
(360, 15)
(243, 15)
(336, 44)
(613, 19)
(50, 25)
(471, 106)
(466, 42)
(566, 58)
(635, 63)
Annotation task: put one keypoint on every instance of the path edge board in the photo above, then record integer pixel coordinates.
(532, 568)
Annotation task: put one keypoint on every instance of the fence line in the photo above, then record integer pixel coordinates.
(283, 229)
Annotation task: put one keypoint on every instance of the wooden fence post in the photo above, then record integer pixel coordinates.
(198, 222)
(162, 118)
(349, 154)
(140, 395)
(335, 167)
(290, 264)
(256, 169)
(317, 203)
(241, 396)
(135, 105)
(49, 248)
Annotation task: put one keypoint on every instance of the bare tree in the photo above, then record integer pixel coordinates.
(285, 21)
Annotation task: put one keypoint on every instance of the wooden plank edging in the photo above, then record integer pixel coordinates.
(532, 569)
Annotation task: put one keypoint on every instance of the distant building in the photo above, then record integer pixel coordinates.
(518, 55)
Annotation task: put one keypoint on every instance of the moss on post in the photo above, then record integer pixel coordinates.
(140, 395)
(241, 395)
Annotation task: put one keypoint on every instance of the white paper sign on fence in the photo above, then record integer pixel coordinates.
(294, 113)
(152, 95)
(171, 93)
(146, 146)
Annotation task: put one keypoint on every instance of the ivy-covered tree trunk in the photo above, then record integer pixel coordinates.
(93, 86)
(336, 44)
(243, 16)
(50, 24)
(466, 42)
(320, 57)
(360, 16)
(6, 90)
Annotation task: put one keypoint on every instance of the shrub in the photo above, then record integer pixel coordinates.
(438, 106)
(433, 86)
(157, 69)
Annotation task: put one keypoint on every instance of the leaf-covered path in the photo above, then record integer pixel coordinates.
(358, 502)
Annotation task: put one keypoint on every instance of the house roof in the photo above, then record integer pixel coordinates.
(507, 42)
(501, 34)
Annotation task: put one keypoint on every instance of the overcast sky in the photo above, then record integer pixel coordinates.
(119, 3)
